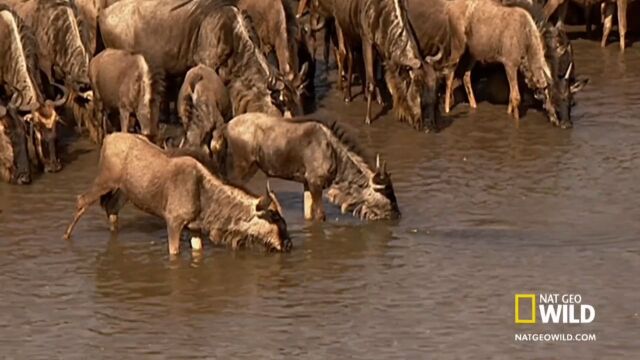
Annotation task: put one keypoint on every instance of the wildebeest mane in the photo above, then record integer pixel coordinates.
(344, 136)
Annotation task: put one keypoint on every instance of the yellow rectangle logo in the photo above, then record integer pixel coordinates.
(519, 297)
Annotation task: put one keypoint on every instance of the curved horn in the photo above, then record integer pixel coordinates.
(274, 199)
(566, 76)
(377, 162)
(437, 57)
(375, 186)
(63, 99)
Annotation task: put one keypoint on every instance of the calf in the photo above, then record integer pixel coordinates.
(203, 105)
(183, 192)
(125, 83)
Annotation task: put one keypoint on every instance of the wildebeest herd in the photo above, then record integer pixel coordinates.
(235, 76)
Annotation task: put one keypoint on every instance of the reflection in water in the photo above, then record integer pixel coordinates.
(489, 209)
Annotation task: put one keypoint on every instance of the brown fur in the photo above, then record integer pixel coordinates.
(203, 105)
(318, 154)
(183, 192)
(126, 84)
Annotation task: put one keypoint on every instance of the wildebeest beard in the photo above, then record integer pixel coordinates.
(357, 188)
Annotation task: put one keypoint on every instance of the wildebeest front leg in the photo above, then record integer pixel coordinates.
(174, 228)
(468, 88)
(340, 57)
(367, 52)
(316, 202)
(125, 120)
(307, 203)
(607, 20)
(514, 95)
(448, 96)
(622, 22)
(84, 201)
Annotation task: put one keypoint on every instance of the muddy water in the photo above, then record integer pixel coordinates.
(489, 210)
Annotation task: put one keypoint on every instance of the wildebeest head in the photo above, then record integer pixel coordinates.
(563, 82)
(379, 197)
(415, 93)
(287, 95)
(15, 166)
(43, 120)
(267, 219)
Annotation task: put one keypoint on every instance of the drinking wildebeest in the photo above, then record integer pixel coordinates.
(203, 106)
(382, 28)
(62, 41)
(15, 167)
(211, 32)
(124, 83)
(528, 49)
(183, 192)
(319, 155)
(20, 78)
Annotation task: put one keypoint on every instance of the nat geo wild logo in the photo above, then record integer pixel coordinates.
(552, 309)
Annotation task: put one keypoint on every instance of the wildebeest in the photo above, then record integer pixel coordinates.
(203, 106)
(183, 192)
(211, 32)
(126, 84)
(15, 167)
(530, 48)
(607, 10)
(20, 78)
(319, 155)
(62, 41)
(276, 25)
(382, 28)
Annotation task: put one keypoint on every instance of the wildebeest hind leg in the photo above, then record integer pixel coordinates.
(84, 201)
(448, 98)
(112, 203)
(469, 88)
(514, 97)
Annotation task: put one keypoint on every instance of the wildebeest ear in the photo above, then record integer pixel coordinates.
(579, 85)
(263, 203)
(3, 111)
